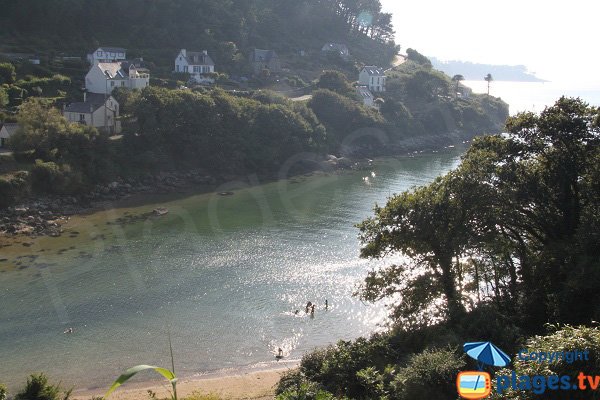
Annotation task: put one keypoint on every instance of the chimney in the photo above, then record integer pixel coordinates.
(84, 96)
(184, 52)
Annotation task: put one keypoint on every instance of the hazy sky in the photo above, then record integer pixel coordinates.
(556, 39)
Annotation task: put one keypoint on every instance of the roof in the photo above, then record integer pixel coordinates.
(259, 55)
(113, 70)
(373, 70)
(10, 128)
(342, 48)
(198, 58)
(120, 69)
(112, 49)
(364, 92)
(93, 102)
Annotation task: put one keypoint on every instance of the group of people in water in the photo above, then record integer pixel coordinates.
(310, 308)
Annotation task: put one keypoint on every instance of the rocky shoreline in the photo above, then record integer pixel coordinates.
(44, 216)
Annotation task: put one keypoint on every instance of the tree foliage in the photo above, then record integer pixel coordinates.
(516, 225)
(38, 388)
(7, 73)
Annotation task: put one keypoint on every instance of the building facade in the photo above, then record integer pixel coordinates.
(372, 77)
(196, 63)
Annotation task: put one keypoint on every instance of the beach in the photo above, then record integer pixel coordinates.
(255, 384)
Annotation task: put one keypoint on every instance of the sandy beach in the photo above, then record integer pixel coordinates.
(245, 384)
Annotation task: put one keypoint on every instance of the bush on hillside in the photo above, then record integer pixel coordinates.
(38, 388)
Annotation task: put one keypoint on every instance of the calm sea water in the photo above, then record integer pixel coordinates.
(223, 274)
(535, 96)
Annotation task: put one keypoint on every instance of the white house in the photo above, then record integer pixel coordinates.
(105, 77)
(372, 77)
(98, 110)
(337, 48)
(195, 63)
(365, 95)
(6, 131)
(107, 54)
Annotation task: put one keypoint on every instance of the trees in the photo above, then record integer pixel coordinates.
(7, 73)
(488, 78)
(457, 79)
(428, 226)
(336, 82)
(515, 226)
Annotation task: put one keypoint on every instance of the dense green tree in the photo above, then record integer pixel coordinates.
(336, 82)
(7, 73)
(38, 388)
(507, 226)
(3, 97)
(428, 226)
(343, 116)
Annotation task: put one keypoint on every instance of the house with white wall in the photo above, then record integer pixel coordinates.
(105, 77)
(107, 54)
(196, 63)
(98, 110)
(372, 77)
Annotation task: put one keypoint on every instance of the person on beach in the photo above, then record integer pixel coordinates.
(279, 354)
(312, 309)
(308, 306)
(326, 304)
(68, 330)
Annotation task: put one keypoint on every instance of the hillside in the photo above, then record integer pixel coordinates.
(156, 29)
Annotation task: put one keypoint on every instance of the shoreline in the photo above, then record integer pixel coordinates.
(45, 215)
(255, 382)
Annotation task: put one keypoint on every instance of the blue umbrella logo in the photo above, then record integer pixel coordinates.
(486, 353)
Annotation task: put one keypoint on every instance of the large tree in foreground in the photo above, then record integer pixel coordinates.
(516, 226)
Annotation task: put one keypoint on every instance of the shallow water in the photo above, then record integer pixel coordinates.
(222, 274)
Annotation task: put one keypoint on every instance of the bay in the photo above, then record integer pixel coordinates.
(223, 275)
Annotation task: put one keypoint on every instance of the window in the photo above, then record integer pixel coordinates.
(81, 117)
(122, 83)
(185, 68)
(196, 68)
(112, 83)
(99, 53)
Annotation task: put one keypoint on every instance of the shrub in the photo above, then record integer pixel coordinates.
(3, 392)
(566, 338)
(49, 177)
(428, 375)
(38, 388)
(306, 391)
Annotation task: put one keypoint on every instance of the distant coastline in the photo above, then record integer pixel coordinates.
(475, 71)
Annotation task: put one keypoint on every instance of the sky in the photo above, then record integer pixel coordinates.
(555, 39)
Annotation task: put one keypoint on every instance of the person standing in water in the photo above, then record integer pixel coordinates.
(326, 304)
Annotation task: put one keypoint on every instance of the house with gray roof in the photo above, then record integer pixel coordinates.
(104, 77)
(6, 131)
(107, 54)
(98, 110)
(264, 59)
(196, 63)
(373, 77)
(336, 48)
